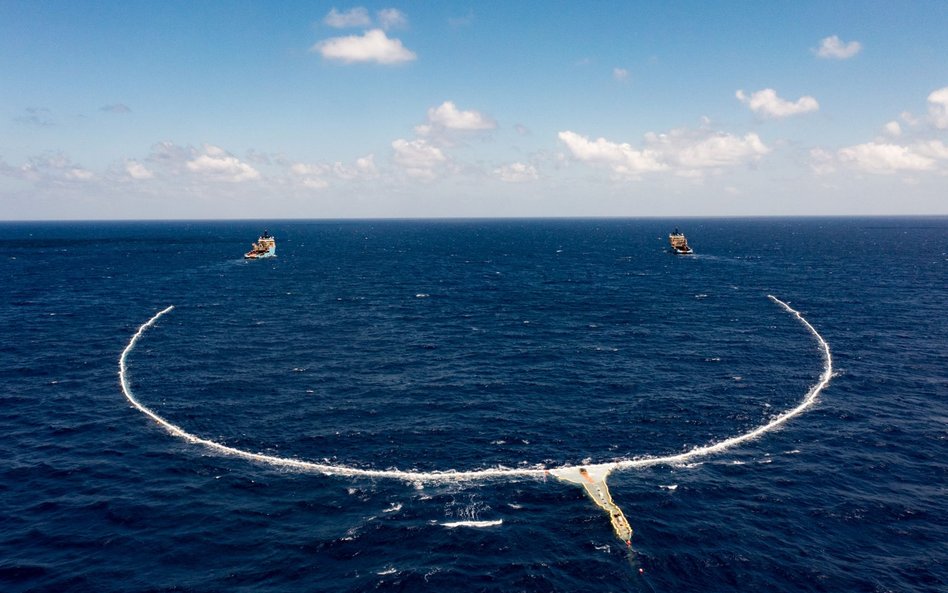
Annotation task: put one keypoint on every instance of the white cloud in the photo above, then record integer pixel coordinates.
(372, 46)
(314, 183)
(418, 157)
(313, 175)
(356, 17)
(310, 175)
(517, 173)
(48, 168)
(216, 164)
(822, 161)
(621, 157)
(704, 149)
(766, 103)
(79, 174)
(938, 108)
(304, 169)
(874, 157)
(935, 149)
(893, 128)
(833, 48)
(390, 18)
(364, 168)
(620, 74)
(448, 116)
(684, 152)
(136, 170)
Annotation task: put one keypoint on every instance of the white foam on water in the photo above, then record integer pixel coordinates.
(680, 459)
(454, 524)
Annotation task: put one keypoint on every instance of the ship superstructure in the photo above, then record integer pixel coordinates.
(264, 247)
(679, 245)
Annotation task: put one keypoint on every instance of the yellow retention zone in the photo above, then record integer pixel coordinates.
(593, 481)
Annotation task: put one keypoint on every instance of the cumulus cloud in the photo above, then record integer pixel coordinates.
(388, 18)
(355, 17)
(48, 168)
(938, 108)
(888, 155)
(620, 74)
(832, 47)
(885, 158)
(372, 46)
(766, 103)
(908, 118)
(79, 174)
(893, 128)
(621, 157)
(417, 157)
(217, 164)
(704, 149)
(313, 175)
(392, 18)
(684, 152)
(516, 173)
(364, 168)
(310, 176)
(822, 161)
(136, 170)
(447, 116)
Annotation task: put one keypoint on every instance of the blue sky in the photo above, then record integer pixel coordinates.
(420, 109)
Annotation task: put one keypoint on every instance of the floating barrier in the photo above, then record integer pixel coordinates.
(592, 477)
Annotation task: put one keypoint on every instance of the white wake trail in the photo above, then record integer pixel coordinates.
(499, 472)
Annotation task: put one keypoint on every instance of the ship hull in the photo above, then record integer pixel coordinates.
(264, 255)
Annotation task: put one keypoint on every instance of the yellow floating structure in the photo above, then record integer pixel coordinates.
(593, 481)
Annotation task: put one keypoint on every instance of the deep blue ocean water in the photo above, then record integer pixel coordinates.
(437, 345)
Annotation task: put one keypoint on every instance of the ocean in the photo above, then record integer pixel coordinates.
(380, 357)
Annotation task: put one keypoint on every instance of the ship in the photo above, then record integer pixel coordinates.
(679, 245)
(264, 247)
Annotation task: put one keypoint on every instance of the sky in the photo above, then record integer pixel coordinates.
(258, 110)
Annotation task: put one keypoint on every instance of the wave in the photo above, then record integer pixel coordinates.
(499, 472)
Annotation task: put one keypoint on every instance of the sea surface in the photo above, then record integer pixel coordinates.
(430, 346)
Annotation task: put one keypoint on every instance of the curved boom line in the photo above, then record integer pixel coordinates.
(499, 472)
